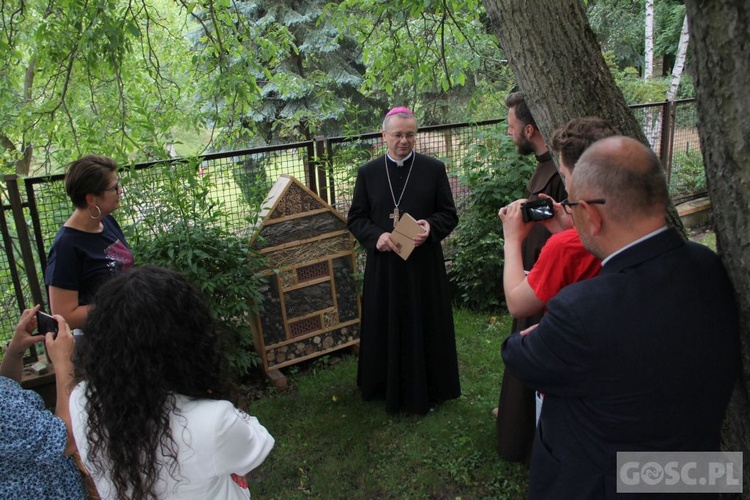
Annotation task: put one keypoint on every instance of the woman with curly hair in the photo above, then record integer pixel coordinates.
(149, 411)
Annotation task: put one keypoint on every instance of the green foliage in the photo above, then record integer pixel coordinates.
(306, 73)
(448, 453)
(688, 175)
(81, 77)
(619, 26)
(668, 18)
(496, 175)
(184, 232)
(686, 89)
(635, 89)
(127, 78)
(427, 54)
(252, 178)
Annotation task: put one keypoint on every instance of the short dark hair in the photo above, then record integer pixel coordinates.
(517, 100)
(88, 175)
(573, 138)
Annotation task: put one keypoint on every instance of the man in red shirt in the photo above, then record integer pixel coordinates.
(563, 259)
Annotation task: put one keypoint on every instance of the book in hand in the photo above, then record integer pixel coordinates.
(404, 233)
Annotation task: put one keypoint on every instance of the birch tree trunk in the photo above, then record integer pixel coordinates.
(674, 84)
(559, 65)
(720, 42)
(648, 60)
(651, 118)
(679, 63)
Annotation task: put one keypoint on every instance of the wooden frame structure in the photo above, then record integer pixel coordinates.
(311, 306)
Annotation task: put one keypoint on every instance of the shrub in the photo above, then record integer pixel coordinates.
(185, 233)
(633, 87)
(496, 175)
(688, 175)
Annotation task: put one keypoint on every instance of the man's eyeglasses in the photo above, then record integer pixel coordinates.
(114, 188)
(567, 205)
(409, 137)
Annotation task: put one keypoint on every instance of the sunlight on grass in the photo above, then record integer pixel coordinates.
(331, 444)
(704, 237)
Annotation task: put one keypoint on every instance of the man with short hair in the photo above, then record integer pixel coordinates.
(407, 340)
(516, 406)
(642, 357)
(522, 128)
(563, 259)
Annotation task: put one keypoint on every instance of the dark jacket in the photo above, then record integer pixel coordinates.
(641, 358)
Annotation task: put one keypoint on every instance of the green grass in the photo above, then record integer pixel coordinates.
(331, 444)
(703, 236)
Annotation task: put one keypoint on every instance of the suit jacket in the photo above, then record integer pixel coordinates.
(641, 358)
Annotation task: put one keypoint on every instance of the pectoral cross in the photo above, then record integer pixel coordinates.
(394, 216)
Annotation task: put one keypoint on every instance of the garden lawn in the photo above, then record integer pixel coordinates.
(331, 444)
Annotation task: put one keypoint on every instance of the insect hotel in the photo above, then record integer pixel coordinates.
(311, 306)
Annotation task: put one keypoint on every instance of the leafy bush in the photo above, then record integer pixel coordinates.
(185, 233)
(252, 178)
(688, 175)
(495, 175)
(633, 87)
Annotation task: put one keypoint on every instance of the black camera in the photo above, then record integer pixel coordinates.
(540, 209)
(46, 323)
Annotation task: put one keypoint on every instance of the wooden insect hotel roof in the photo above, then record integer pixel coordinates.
(310, 306)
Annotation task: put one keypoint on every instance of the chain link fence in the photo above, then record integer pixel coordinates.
(328, 166)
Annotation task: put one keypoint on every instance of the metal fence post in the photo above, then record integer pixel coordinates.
(24, 240)
(11, 256)
(310, 170)
(328, 165)
(667, 136)
(320, 152)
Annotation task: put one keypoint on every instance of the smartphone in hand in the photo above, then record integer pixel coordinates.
(46, 323)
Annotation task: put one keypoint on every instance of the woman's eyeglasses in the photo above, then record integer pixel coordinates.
(114, 188)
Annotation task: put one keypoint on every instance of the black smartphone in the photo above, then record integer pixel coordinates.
(46, 323)
(541, 209)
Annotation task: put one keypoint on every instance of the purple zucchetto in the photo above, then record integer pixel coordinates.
(399, 109)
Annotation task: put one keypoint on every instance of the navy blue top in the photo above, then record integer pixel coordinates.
(82, 261)
(32, 442)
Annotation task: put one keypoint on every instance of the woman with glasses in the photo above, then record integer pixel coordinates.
(90, 247)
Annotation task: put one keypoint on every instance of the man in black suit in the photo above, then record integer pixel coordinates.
(641, 358)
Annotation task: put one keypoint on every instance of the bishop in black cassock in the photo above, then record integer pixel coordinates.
(407, 341)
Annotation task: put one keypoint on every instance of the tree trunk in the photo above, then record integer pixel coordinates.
(719, 43)
(559, 65)
(679, 62)
(651, 120)
(648, 60)
(674, 84)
